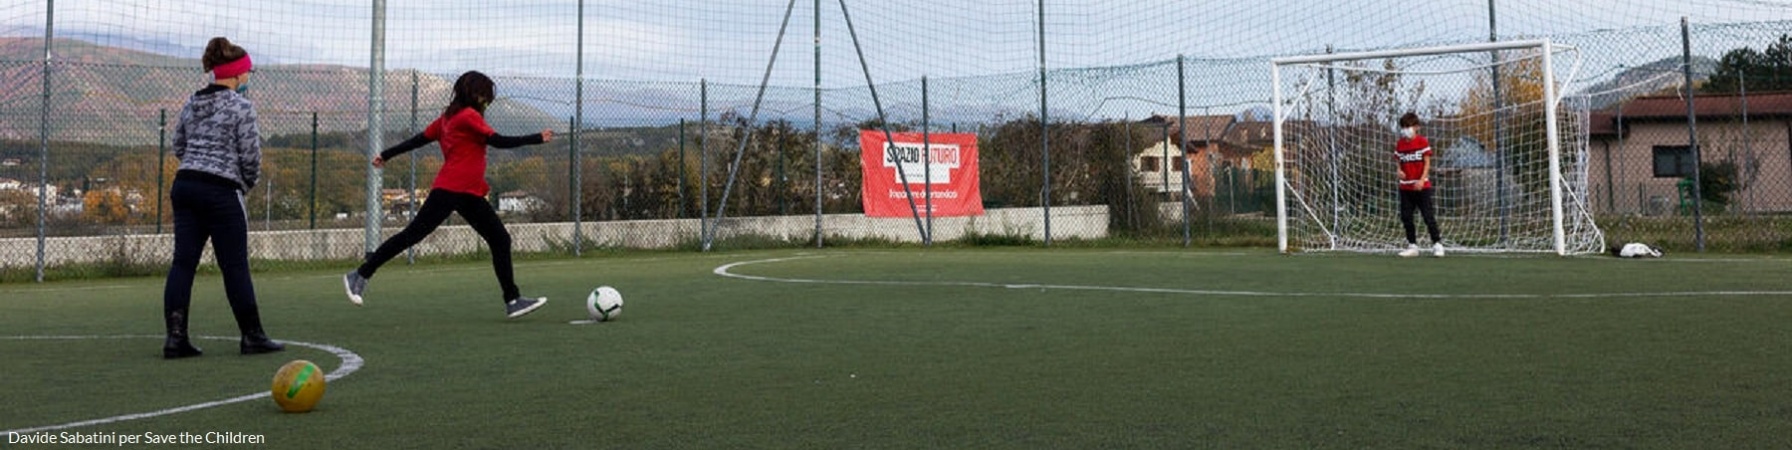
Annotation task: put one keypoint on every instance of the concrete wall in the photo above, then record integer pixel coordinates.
(1069, 222)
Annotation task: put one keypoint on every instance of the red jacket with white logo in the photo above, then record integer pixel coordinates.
(1413, 154)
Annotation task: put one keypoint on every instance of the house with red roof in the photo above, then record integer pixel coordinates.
(1639, 152)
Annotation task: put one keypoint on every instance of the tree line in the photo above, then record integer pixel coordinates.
(617, 180)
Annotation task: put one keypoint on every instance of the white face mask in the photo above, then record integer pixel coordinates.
(1409, 132)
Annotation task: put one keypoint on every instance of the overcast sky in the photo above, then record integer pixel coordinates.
(731, 41)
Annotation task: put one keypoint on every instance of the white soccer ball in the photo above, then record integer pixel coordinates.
(604, 304)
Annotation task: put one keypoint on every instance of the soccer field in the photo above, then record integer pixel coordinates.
(948, 348)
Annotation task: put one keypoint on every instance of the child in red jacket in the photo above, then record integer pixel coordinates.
(1414, 153)
(459, 188)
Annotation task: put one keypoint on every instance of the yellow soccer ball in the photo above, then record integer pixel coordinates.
(298, 386)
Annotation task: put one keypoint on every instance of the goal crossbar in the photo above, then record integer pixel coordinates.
(1420, 51)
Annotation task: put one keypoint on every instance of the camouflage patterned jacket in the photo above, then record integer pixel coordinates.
(217, 135)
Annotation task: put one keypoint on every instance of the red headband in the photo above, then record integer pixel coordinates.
(233, 69)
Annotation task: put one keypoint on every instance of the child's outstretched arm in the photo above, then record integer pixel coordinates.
(502, 141)
(413, 143)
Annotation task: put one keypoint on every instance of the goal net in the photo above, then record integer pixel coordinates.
(1508, 161)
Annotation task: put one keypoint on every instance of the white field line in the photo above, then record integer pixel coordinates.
(351, 362)
(727, 271)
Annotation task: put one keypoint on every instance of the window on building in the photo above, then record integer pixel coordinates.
(1180, 162)
(1674, 161)
(1150, 164)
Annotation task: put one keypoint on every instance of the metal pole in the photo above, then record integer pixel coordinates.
(312, 196)
(1212, 151)
(1748, 145)
(681, 201)
(578, 194)
(1499, 125)
(376, 105)
(410, 184)
(573, 170)
(782, 187)
(1611, 190)
(1045, 144)
(267, 195)
(1692, 133)
(1182, 145)
(884, 123)
(1132, 218)
(703, 160)
(752, 121)
(161, 163)
(926, 163)
(818, 184)
(43, 151)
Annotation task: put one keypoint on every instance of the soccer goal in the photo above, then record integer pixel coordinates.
(1509, 163)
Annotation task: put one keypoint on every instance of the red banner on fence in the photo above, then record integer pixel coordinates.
(950, 163)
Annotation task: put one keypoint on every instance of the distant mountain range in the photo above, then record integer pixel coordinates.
(1652, 78)
(115, 96)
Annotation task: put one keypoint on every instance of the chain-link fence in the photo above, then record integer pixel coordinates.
(1158, 149)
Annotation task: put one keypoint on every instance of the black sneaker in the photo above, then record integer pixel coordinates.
(257, 342)
(521, 306)
(355, 284)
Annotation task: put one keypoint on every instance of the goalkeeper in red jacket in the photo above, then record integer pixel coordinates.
(1414, 153)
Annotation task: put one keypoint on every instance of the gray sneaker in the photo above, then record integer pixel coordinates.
(355, 284)
(521, 306)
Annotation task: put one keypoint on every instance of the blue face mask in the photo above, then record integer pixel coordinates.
(242, 88)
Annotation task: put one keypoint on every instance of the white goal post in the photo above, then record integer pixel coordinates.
(1509, 165)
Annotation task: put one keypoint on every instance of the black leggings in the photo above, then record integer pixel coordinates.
(1420, 200)
(209, 208)
(478, 213)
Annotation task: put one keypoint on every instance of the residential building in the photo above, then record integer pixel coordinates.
(1639, 152)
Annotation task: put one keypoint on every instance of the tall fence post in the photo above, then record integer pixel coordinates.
(818, 184)
(702, 161)
(578, 120)
(1164, 161)
(410, 184)
(927, 162)
(1499, 124)
(575, 169)
(1748, 144)
(1692, 133)
(43, 151)
(1044, 132)
(1132, 219)
(1213, 178)
(1182, 147)
(683, 207)
(161, 164)
(376, 105)
(311, 198)
(267, 197)
(781, 179)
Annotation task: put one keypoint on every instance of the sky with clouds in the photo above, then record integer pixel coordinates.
(731, 41)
